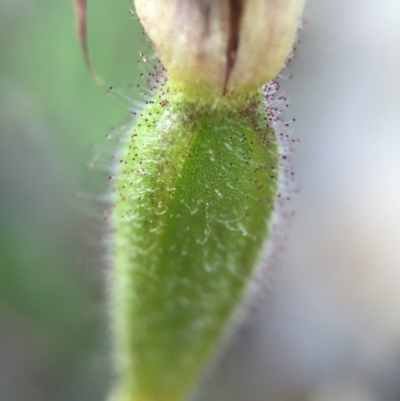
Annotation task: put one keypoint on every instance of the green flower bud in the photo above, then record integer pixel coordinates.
(195, 189)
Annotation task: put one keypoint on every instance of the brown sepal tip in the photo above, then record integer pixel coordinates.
(81, 22)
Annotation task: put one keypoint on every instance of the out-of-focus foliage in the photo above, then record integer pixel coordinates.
(51, 114)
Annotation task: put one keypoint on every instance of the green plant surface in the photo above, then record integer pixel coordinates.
(195, 189)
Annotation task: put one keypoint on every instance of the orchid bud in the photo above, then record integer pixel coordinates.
(221, 46)
(198, 179)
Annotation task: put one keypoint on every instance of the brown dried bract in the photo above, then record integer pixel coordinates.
(81, 22)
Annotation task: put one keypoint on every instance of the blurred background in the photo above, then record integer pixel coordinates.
(329, 328)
